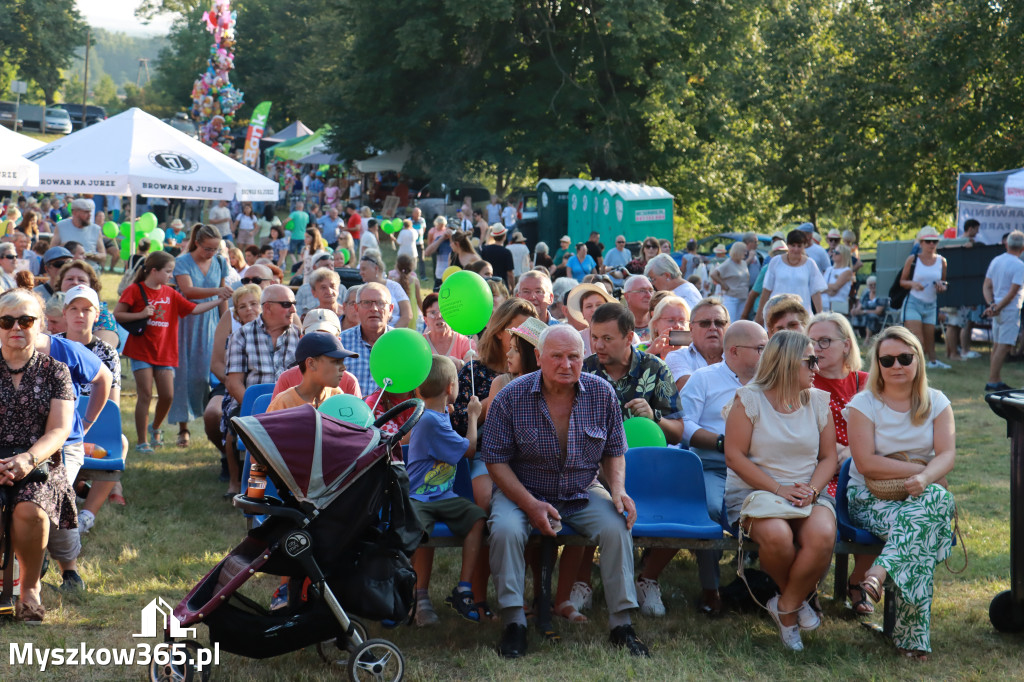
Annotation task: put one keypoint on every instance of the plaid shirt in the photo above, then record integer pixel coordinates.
(252, 352)
(352, 339)
(648, 378)
(519, 432)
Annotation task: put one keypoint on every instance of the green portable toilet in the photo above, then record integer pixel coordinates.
(606, 207)
(553, 209)
(577, 213)
(640, 211)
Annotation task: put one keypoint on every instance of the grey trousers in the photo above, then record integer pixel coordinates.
(66, 544)
(509, 529)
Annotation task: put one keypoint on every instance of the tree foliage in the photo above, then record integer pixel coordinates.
(39, 40)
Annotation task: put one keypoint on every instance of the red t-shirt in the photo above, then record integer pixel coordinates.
(840, 391)
(293, 377)
(159, 344)
(355, 225)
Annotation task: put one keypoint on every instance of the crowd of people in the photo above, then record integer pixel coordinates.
(752, 362)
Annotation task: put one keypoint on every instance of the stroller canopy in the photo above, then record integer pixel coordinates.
(316, 456)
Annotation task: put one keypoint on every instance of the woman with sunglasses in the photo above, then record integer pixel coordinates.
(899, 413)
(154, 353)
(200, 275)
(835, 344)
(924, 276)
(38, 400)
(783, 441)
(793, 273)
(648, 250)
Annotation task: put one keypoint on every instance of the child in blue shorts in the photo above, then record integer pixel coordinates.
(434, 451)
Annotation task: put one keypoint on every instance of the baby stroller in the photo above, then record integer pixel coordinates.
(343, 520)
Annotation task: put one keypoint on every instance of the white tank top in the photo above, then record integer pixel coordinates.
(927, 275)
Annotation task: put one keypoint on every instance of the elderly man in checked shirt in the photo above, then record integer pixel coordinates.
(548, 435)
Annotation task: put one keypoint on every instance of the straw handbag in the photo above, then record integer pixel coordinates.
(891, 488)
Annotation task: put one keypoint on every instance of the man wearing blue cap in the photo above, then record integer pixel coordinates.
(53, 260)
(321, 359)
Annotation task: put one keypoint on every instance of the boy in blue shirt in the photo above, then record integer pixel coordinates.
(434, 451)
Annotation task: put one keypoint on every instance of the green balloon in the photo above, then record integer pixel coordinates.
(346, 254)
(126, 229)
(145, 224)
(110, 229)
(126, 249)
(157, 237)
(404, 357)
(347, 408)
(643, 432)
(466, 302)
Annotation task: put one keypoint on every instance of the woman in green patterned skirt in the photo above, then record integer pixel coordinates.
(900, 414)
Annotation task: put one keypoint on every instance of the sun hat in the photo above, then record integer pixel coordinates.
(519, 238)
(573, 308)
(928, 233)
(498, 230)
(530, 330)
(321, 320)
(565, 238)
(719, 249)
(779, 246)
(834, 234)
(815, 237)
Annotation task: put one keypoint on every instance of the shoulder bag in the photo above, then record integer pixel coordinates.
(138, 327)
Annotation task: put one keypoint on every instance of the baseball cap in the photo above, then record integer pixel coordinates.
(83, 205)
(805, 227)
(82, 291)
(315, 345)
(56, 253)
(321, 320)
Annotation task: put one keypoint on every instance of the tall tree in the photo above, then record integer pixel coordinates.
(40, 40)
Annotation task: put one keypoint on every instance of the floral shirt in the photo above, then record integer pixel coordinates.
(648, 378)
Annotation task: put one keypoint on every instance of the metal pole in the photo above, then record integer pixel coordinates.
(17, 110)
(131, 221)
(85, 82)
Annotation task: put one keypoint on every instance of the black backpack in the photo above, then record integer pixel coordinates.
(897, 294)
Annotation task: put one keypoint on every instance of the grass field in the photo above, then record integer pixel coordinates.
(176, 527)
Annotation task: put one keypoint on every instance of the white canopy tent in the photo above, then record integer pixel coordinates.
(15, 170)
(388, 161)
(135, 153)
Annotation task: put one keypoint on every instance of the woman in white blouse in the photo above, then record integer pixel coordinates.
(734, 278)
(793, 273)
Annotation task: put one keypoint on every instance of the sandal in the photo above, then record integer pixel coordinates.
(914, 655)
(862, 607)
(144, 448)
(463, 603)
(871, 587)
(157, 436)
(483, 609)
(567, 610)
(183, 438)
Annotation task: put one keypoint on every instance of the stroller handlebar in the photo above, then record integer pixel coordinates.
(409, 423)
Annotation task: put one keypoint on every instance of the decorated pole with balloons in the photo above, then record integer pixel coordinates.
(214, 99)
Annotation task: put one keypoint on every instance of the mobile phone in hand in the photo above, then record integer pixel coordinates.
(679, 337)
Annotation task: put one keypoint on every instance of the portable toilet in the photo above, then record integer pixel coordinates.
(575, 199)
(553, 209)
(606, 211)
(640, 211)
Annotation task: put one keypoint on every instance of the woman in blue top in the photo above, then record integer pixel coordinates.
(199, 274)
(581, 264)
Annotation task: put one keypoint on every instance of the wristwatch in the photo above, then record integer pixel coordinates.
(720, 443)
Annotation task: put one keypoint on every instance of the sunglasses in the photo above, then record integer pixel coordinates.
(706, 324)
(284, 304)
(24, 321)
(59, 263)
(887, 361)
(812, 361)
(254, 280)
(10, 256)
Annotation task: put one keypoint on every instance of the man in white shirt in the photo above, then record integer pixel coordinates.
(220, 217)
(1003, 293)
(709, 321)
(494, 210)
(702, 399)
(815, 251)
(509, 215)
(665, 275)
(520, 254)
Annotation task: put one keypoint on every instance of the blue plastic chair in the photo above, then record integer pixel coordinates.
(106, 433)
(844, 525)
(667, 485)
(249, 398)
(463, 488)
(255, 401)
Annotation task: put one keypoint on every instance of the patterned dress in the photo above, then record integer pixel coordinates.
(917, 531)
(23, 414)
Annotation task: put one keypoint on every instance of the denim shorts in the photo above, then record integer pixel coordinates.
(916, 309)
(141, 364)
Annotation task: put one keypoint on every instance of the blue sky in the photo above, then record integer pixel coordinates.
(119, 15)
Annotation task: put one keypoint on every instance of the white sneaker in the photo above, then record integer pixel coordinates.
(648, 593)
(937, 364)
(86, 520)
(790, 634)
(581, 596)
(807, 618)
(425, 614)
(970, 355)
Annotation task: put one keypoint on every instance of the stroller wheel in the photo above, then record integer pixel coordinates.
(330, 649)
(376, 659)
(181, 672)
